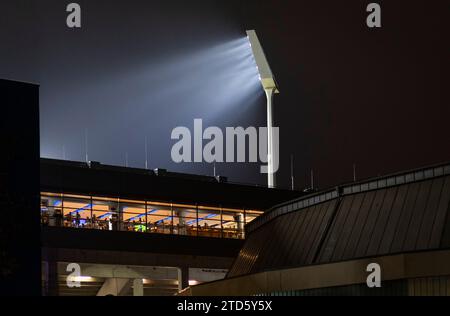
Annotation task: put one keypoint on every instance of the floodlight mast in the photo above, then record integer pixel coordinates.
(270, 87)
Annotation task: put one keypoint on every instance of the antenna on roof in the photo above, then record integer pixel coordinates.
(354, 172)
(86, 145)
(292, 173)
(312, 179)
(146, 153)
(126, 159)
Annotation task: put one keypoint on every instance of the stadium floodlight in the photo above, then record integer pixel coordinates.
(270, 87)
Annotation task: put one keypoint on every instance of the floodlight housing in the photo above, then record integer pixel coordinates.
(266, 76)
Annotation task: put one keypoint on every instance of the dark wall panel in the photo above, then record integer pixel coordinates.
(19, 189)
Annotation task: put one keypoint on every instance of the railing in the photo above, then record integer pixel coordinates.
(105, 225)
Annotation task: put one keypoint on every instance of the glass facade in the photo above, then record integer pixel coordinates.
(114, 214)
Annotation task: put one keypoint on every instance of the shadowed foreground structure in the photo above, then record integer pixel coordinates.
(322, 244)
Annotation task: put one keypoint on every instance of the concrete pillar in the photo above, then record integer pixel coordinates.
(51, 212)
(239, 219)
(138, 287)
(121, 224)
(182, 222)
(183, 278)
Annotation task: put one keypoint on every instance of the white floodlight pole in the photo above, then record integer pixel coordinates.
(270, 141)
(270, 87)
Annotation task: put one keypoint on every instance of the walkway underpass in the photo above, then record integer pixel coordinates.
(128, 263)
(121, 280)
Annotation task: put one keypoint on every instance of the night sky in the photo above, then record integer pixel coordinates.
(378, 98)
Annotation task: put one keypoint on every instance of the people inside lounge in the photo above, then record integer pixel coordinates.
(142, 217)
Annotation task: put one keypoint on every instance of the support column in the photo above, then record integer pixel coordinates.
(121, 224)
(181, 222)
(138, 287)
(271, 181)
(183, 278)
(51, 212)
(239, 219)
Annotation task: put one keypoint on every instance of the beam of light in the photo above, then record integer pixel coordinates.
(218, 82)
(203, 84)
(105, 215)
(201, 219)
(141, 215)
(164, 219)
(81, 210)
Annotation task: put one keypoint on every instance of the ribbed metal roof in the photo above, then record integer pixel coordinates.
(400, 213)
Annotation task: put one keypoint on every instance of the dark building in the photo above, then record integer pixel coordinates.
(19, 189)
(121, 226)
(323, 244)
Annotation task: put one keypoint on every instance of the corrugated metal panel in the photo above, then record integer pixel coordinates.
(331, 240)
(249, 253)
(271, 244)
(370, 224)
(441, 216)
(298, 219)
(382, 221)
(424, 234)
(285, 240)
(259, 246)
(349, 225)
(311, 243)
(326, 222)
(304, 243)
(394, 218)
(290, 240)
(417, 216)
(405, 217)
(358, 227)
